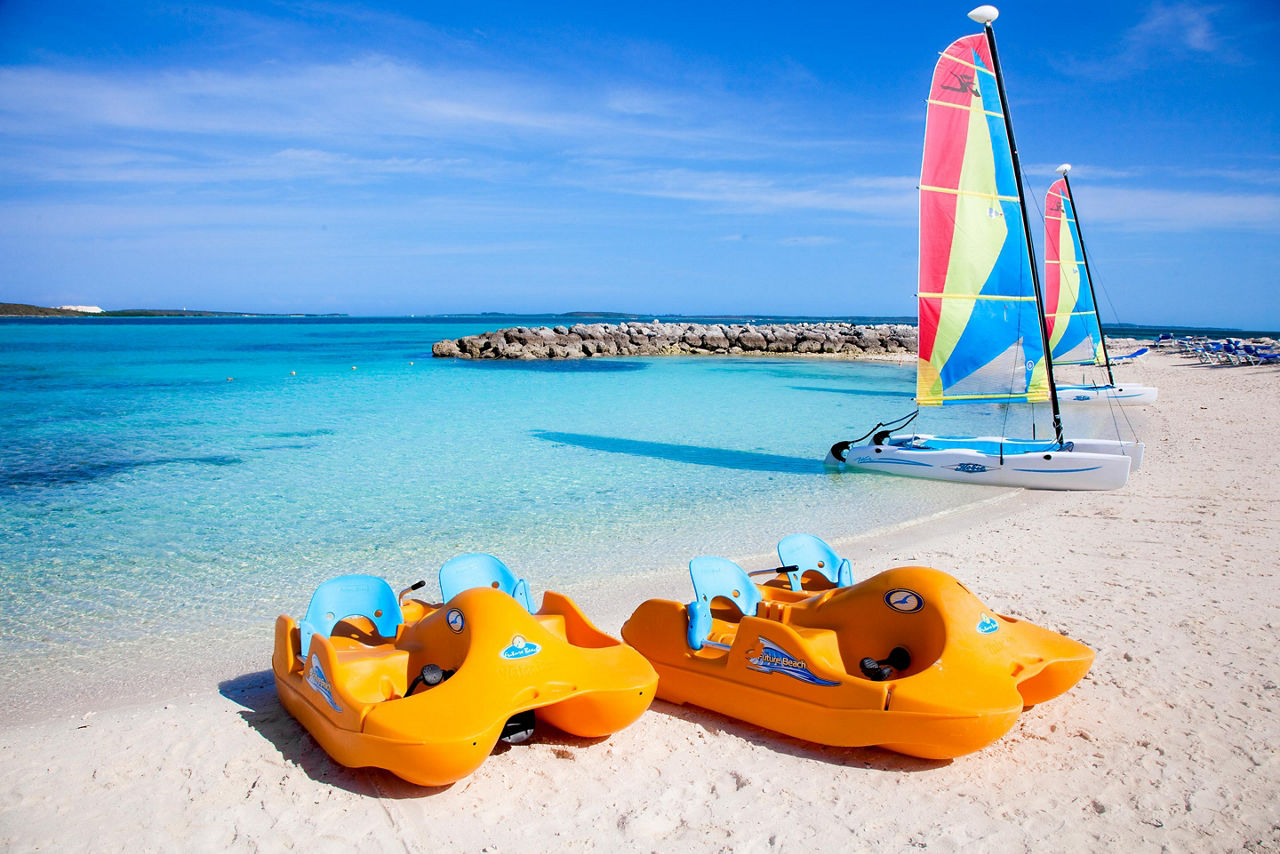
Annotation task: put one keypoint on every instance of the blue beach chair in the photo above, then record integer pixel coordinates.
(1136, 354)
(482, 570)
(808, 553)
(350, 596)
(717, 578)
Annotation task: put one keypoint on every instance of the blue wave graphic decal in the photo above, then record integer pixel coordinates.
(317, 680)
(772, 658)
(872, 461)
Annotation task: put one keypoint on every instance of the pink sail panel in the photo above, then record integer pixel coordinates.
(954, 82)
(1053, 279)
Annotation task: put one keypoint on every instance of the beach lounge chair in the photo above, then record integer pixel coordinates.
(717, 578)
(1136, 354)
(350, 596)
(1235, 355)
(482, 570)
(1262, 355)
(807, 553)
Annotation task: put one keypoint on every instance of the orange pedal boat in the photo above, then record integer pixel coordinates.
(908, 660)
(426, 691)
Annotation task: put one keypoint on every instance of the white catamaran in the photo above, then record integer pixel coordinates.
(982, 339)
(1071, 305)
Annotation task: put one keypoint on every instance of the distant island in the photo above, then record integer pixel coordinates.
(16, 309)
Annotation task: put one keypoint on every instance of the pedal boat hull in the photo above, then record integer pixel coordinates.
(349, 693)
(794, 667)
(1089, 464)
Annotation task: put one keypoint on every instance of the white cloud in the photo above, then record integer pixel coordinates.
(1167, 33)
(1179, 211)
(746, 192)
(1180, 25)
(1084, 170)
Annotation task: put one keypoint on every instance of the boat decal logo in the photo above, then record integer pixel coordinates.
(454, 620)
(320, 684)
(771, 658)
(904, 601)
(987, 625)
(1081, 397)
(966, 84)
(970, 468)
(520, 647)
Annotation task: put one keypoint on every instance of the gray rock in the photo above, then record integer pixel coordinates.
(589, 340)
(446, 349)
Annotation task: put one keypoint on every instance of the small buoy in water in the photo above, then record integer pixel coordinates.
(353, 367)
(293, 373)
(411, 364)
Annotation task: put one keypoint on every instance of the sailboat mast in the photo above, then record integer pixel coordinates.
(1093, 295)
(985, 15)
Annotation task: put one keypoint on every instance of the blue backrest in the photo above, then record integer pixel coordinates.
(482, 570)
(811, 554)
(717, 577)
(351, 596)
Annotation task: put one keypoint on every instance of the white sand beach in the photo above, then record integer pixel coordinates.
(1169, 743)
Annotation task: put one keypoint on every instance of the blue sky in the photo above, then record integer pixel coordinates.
(731, 158)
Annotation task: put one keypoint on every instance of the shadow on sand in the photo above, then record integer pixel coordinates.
(262, 711)
(848, 757)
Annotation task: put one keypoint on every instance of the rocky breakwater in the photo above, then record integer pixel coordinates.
(586, 340)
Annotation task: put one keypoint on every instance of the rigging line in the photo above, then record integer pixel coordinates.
(1125, 414)
(890, 425)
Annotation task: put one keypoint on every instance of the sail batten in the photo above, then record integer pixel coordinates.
(962, 107)
(974, 193)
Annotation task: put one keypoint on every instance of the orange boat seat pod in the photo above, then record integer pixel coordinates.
(717, 578)
(801, 553)
(350, 596)
(482, 570)
(908, 659)
(426, 690)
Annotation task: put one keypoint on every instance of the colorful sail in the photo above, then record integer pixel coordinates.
(979, 321)
(1069, 315)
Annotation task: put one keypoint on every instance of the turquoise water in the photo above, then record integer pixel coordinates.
(196, 478)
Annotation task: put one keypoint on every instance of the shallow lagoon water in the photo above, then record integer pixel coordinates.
(194, 478)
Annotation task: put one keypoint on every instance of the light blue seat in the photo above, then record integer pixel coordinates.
(716, 577)
(482, 570)
(811, 554)
(350, 596)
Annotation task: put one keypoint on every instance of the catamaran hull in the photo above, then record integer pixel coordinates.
(1092, 464)
(1125, 395)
